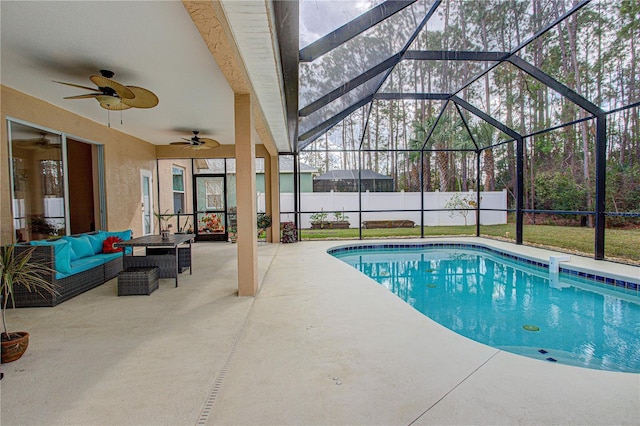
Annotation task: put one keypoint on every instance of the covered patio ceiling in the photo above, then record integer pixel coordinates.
(154, 45)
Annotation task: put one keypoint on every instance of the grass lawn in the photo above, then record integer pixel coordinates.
(620, 244)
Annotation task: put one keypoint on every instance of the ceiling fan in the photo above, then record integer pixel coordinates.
(41, 142)
(197, 142)
(115, 96)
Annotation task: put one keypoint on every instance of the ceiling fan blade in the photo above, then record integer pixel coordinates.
(27, 141)
(143, 98)
(122, 90)
(90, 95)
(179, 143)
(75, 85)
(208, 142)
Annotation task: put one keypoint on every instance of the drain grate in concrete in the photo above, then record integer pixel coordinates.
(217, 384)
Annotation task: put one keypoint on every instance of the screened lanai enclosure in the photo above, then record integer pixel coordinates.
(505, 116)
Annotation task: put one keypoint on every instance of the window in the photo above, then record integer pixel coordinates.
(214, 188)
(178, 190)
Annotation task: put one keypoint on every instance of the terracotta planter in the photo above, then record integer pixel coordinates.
(13, 349)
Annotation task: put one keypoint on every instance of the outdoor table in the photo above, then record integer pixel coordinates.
(167, 261)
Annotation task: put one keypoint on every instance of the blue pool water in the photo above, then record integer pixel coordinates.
(511, 305)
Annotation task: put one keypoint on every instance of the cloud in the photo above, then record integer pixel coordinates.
(320, 17)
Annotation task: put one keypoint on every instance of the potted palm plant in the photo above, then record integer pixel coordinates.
(16, 269)
(163, 222)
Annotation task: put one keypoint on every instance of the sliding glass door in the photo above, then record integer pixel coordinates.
(38, 176)
(42, 196)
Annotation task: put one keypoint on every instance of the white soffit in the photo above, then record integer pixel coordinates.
(251, 25)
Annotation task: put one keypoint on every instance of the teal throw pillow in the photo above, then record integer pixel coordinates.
(62, 250)
(72, 254)
(80, 246)
(96, 241)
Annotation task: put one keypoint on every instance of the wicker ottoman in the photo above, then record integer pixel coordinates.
(142, 280)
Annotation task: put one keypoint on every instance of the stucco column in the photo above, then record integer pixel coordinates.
(246, 198)
(274, 196)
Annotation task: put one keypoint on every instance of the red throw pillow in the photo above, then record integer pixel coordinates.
(107, 245)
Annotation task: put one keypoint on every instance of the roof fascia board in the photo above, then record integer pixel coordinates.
(286, 24)
(211, 22)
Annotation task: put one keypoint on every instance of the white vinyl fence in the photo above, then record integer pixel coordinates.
(347, 202)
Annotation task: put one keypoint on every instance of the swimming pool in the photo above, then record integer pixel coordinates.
(511, 303)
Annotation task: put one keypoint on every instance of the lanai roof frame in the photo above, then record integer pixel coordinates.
(511, 57)
(308, 137)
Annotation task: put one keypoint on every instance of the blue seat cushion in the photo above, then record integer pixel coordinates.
(82, 265)
(62, 253)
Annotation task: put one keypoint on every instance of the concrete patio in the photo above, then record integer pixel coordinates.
(321, 344)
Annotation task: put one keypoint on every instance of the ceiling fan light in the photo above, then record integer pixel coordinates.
(199, 147)
(108, 100)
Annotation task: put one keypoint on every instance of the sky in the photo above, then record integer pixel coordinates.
(320, 17)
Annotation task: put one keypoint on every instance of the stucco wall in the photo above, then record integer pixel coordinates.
(124, 157)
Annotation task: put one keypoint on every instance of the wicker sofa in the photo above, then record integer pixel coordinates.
(74, 271)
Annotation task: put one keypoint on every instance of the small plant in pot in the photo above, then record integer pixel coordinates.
(164, 222)
(263, 222)
(16, 269)
(319, 220)
(233, 233)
